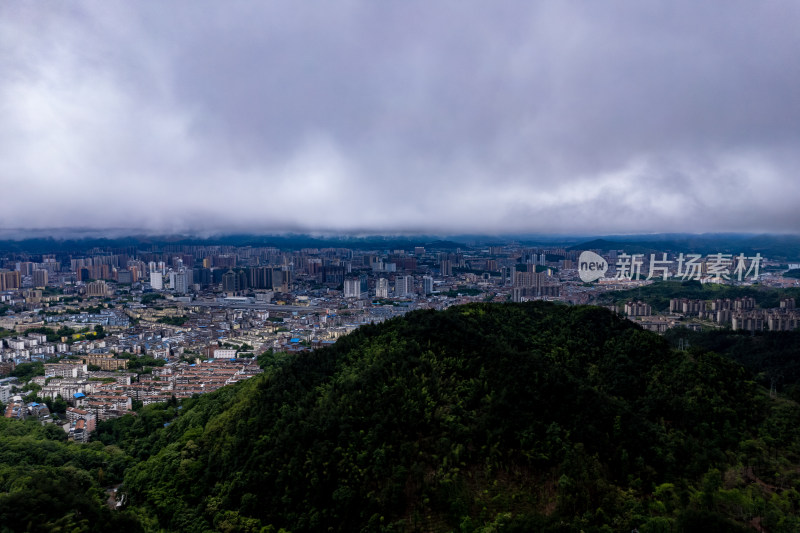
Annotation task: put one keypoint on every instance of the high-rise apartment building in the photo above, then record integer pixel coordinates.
(40, 278)
(403, 285)
(230, 281)
(382, 288)
(25, 268)
(352, 288)
(97, 288)
(156, 281)
(203, 277)
(427, 284)
(179, 282)
(125, 276)
(10, 280)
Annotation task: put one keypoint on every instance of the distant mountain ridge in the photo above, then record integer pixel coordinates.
(772, 246)
(786, 247)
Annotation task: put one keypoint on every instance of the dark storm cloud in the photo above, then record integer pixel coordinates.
(401, 116)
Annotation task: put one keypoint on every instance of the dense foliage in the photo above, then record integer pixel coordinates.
(173, 320)
(142, 362)
(794, 273)
(47, 484)
(461, 291)
(772, 356)
(486, 417)
(138, 434)
(26, 371)
(151, 297)
(52, 336)
(529, 417)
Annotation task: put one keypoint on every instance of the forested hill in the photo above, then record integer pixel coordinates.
(486, 417)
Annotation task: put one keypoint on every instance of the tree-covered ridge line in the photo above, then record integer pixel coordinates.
(772, 357)
(285, 241)
(766, 244)
(771, 246)
(514, 417)
(484, 417)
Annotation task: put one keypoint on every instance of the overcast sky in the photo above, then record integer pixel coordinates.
(401, 116)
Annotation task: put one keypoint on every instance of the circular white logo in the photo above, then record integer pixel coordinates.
(591, 266)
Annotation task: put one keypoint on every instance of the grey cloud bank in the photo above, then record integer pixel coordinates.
(446, 117)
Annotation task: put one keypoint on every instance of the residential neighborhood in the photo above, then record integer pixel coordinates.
(97, 333)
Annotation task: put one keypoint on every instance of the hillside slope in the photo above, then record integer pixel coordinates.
(513, 417)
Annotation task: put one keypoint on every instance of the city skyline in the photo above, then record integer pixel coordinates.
(374, 118)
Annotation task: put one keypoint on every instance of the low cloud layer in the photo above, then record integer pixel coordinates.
(441, 117)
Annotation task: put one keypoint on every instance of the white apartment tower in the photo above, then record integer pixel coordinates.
(382, 288)
(352, 288)
(156, 281)
(427, 283)
(179, 282)
(403, 285)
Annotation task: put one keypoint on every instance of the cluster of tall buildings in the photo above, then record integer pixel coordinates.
(740, 313)
(10, 279)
